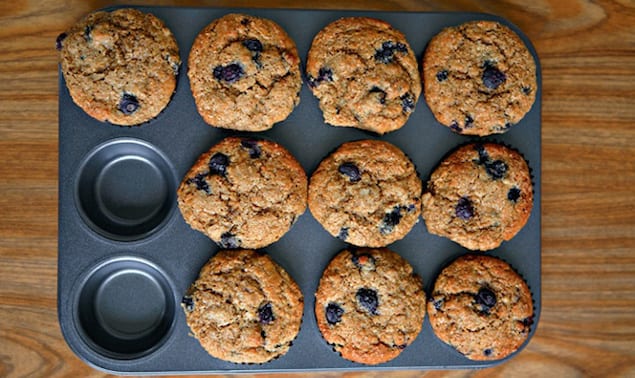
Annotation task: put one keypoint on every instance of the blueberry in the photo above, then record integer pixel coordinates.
(87, 33)
(175, 65)
(483, 156)
(334, 313)
(502, 128)
(527, 322)
(218, 164)
(351, 170)
(390, 220)
(188, 303)
(464, 209)
(469, 121)
(407, 103)
(59, 40)
(324, 74)
(492, 77)
(442, 75)
(526, 90)
(343, 235)
(364, 260)
(485, 298)
(201, 183)
(386, 53)
(496, 169)
(410, 208)
(487, 352)
(229, 73)
(253, 45)
(513, 194)
(438, 304)
(265, 314)
(229, 240)
(367, 298)
(382, 94)
(252, 146)
(454, 126)
(128, 104)
(245, 21)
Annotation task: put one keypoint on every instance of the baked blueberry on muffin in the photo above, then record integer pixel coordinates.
(244, 73)
(364, 74)
(120, 66)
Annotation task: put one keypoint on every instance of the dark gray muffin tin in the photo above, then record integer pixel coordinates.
(126, 256)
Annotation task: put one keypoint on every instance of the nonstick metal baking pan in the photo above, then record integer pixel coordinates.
(126, 256)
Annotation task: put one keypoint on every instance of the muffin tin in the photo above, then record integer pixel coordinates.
(126, 256)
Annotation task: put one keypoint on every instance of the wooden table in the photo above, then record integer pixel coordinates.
(587, 50)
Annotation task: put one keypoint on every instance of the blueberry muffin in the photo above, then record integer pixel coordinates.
(244, 73)
(369, 305)
(479, 78)
(243, 192)
(481, 307)
(366, 193)
(479, 196)
(244, 308)
(364, 74)
(120, 66)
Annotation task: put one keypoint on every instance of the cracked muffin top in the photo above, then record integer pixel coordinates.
(243, 307)
(370, 304)
(243, 192)
(479, 78)
(120, 66)
(481, 307)
(366, 193)
(364, 74)
(244, 73)
(479, 196)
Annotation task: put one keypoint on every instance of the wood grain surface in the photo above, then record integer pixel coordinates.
(587, 51)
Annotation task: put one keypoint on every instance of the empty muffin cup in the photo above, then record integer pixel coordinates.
(125, 190)
(125, 308)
